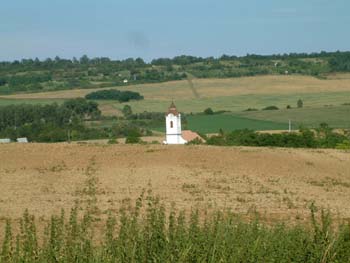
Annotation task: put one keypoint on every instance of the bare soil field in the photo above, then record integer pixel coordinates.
(280, 184)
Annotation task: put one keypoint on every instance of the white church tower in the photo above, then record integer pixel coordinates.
(173, 126)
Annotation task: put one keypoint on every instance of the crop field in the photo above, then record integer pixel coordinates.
(336, 117)
(322, 99)
(5, 102)
(280, 184)
(234, 94)
(229, 122)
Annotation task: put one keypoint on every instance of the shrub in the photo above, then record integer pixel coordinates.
(304, 139)
(251, 109)
(300, 103)
(208, 111)
(112, 141)
(132, 139)
(345, 145)
(270, 108)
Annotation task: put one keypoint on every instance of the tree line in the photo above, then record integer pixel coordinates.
(28, 75)
(322, 137)
(112, 94)
(49, 123)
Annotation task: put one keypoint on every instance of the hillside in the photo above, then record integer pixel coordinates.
(33, 75)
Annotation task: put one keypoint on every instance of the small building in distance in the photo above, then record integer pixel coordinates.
(22, 140)
(6, 140)
(174, 133)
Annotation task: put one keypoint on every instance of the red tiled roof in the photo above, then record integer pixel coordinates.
(190, 136)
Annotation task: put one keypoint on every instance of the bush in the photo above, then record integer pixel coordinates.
(251, 109)
(132, 139)
(300, 103)
(304, 139)
(271, 108)
(112, 141)
(208, 111)
(345, 145)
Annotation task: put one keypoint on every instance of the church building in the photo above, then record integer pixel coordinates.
(174, 133)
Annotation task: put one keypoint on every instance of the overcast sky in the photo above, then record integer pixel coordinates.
(165, 28)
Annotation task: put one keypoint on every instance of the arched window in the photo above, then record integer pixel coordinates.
(171, 124)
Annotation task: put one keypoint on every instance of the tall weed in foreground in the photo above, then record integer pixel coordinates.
(146, 232)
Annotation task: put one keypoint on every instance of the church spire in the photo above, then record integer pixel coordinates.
(172, 109)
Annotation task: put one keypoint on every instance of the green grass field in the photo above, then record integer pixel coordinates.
(322, 101)
(5, 102)
(335, 116)
(228, 122)
(239, 102)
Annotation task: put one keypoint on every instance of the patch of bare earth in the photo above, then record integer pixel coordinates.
(278, 183)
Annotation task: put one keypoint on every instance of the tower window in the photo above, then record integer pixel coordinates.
(171, 124)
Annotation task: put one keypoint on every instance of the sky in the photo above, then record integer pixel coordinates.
(150, 29)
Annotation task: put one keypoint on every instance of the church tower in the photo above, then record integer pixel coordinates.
(173, 126)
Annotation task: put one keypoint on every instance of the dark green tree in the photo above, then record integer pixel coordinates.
(300, 103)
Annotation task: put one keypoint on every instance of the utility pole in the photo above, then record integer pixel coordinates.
(69, 129)
(290, 126)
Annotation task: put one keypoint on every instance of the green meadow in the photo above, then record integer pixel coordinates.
(335, 116)
(5, 102)
(229, 122)
(239, 102)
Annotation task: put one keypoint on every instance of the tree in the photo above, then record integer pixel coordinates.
(300, 103)
(270, 108)
(127, 111)
(84, 59)
(208, 111)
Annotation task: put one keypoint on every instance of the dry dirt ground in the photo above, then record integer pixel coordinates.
(278, 183)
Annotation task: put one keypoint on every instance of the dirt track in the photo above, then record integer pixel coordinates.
(280, 183)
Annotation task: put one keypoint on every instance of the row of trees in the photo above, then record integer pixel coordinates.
(58, 73)
(322, 137)
(49, 123)
(112, 94)
(69, 121)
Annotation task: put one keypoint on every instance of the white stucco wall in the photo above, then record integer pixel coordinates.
(173, 134)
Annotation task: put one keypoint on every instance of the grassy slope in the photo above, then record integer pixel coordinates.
(338, 117)
(5, 102)
(234, 95)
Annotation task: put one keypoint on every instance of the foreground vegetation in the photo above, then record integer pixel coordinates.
(147, 232)
(322, 137)
(33, 75)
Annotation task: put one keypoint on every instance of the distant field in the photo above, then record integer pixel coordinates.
(212, 123)
(236, 95)
(241, 102)
(233, 94)
(4, 102)
(227, 122)
(337, 117)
